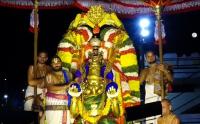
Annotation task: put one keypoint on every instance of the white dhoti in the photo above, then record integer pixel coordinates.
(29, 95)
(150, 97)
(56, 110)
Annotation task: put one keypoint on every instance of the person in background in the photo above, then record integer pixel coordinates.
(168, 117)
(151, 78)
(36, 78)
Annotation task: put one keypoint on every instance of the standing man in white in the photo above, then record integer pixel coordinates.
(151, 77)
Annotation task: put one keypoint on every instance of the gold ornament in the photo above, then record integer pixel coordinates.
(96, 14)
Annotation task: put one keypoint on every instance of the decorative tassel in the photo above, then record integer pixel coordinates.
(96, 29)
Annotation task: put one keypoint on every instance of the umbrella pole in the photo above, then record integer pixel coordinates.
(35, 45)
(35, 31)
(158, 18)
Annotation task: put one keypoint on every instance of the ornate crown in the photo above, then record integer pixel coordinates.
(95, 42)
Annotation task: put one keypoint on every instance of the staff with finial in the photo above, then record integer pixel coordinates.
(35, 47)
(158, 5)
(35, 30)
(160, 43)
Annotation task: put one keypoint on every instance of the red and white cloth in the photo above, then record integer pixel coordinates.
(32, 21)
(156, 33)
(57, 116)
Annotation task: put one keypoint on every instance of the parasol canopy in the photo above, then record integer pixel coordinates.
(123, 7)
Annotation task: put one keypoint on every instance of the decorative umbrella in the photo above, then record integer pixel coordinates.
(124, 7)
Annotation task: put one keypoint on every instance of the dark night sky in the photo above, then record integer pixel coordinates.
(17, 42)
(16, 49)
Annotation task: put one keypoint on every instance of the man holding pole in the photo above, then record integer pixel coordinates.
(35, 90)
(152, 79)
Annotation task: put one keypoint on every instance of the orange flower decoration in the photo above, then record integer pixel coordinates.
(96, 29)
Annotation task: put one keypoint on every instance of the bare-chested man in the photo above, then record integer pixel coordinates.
(151, 77)
(36, 77)
(57, 83)
(168, 117)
